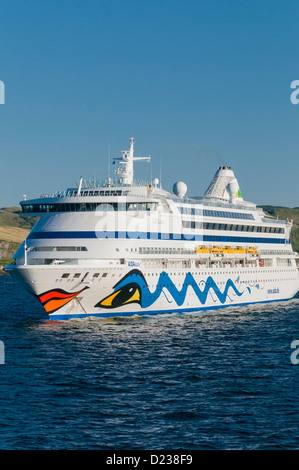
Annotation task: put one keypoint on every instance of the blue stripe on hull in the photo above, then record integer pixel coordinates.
(67, 316)
(154, 236)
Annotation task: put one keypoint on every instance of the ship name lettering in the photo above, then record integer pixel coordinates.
(273, 291)
(133, 263)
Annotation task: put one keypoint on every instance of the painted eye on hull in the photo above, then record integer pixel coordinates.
(126, 295)
(137, 290)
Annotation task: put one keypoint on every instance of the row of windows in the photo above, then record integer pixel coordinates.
(89, 207)
(164, 250)
(97, 275)
(214, 213)
(77, 275)
(230, 215)
(232, 227)
(219, 238)
(154, 236)
(58, 248)
(113, 192)
(95, 192)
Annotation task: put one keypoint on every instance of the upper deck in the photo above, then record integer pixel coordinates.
(222, 200)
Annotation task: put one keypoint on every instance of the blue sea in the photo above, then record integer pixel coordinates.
(208, 380)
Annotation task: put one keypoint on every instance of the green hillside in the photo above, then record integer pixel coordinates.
(14, 228)
(13, 217)
(285, 213)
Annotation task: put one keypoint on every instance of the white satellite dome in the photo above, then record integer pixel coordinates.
(180, 189)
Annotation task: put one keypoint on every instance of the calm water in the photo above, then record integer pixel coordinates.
(219, 380)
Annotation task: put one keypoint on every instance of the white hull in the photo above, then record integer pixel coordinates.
(137, 291)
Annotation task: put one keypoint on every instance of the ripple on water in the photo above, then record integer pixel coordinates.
(215, 380)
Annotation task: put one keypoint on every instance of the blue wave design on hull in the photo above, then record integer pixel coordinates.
(137, 282)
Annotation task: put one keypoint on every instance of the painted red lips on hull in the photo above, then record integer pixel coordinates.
(54, 299)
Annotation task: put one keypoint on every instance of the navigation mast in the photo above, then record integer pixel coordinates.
(126, 172)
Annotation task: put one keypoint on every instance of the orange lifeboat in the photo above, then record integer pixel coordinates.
(202, 249)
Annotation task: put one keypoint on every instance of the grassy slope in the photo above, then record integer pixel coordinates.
(14, 228)
(13, 217)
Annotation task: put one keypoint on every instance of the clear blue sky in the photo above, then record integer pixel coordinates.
(197, 83)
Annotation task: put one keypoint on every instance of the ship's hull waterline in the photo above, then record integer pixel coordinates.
(127, 292)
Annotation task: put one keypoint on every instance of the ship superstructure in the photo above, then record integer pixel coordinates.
(123, 248)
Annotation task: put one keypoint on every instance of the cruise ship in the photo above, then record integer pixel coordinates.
(124, 248)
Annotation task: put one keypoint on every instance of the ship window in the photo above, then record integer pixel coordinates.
(227, 214)
(89, 206)
(96, 274)
(230, 227)
(104, 274)
(65, 275)
(106, 207)
(132, 206)
(76, 275)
